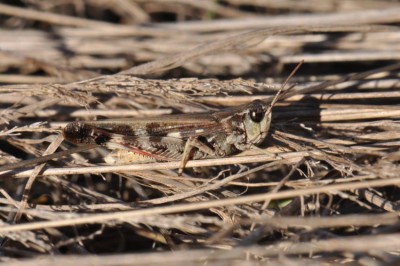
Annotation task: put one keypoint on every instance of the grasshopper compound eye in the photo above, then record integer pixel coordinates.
(257, 114)
(257, 110)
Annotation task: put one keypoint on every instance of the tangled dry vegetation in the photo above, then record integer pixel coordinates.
(323, 188)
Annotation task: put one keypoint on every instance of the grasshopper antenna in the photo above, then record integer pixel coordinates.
(281, 90)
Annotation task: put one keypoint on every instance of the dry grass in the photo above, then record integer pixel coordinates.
(323, 188)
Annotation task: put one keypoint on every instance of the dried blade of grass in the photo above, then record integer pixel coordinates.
(161, 183)
(323, 144)
(24, 79)
(364, 84)
(130, 12)
(63, 72)
(105, 113)
(294, 99)
(346, 244)
(380, 124)
(303, 182)
(215, 8)
(342, 56)
(64, 20)
(316, 6)
(77, 189)
(244, 39)
(335, 159)
(282, 183)
(351, 77)
(355, 244)
(13, 115)
(342, 115)
(28, 186)
(51, 18)
(390, 15)
(348, 96)
(179, 208)
(45, 158)
(214, 186)
(160, 166)
(324, 222)
(366, 115)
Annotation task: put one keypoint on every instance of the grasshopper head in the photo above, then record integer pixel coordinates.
(256, 121)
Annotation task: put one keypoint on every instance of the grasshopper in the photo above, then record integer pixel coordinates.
(178, 137)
